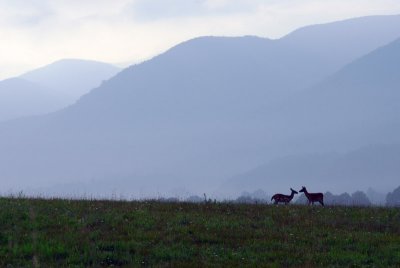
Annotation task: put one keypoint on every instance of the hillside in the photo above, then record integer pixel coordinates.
(51, 88)
(72, 78)
(19, 97)
(49, 233)
(203, 111)
(343, 41)
(357, 106)
(346, 113)
(373, 166)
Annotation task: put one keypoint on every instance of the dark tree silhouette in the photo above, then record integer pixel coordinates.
(393, 198)
(359, 198)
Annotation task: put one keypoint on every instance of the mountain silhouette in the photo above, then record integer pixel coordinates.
(205, 110)
(72, 77)
(51, 88)
(19, 98)
(342, 41)
(376, 166)
(356, 106)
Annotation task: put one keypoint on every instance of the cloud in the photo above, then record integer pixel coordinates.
(37, 32)
(145, 10)
(20, 13)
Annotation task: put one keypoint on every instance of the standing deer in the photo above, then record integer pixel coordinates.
(284, 198)
(313, 197)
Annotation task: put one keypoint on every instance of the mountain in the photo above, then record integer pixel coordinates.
(72, 77)
(19, 98)
(205, 110)
(376, 166)
(356, 106)
(51, 87)
(341, 42)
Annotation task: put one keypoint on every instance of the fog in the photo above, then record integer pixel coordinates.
(219, 115)
(72, 77)
(19, 97)
(51, 87)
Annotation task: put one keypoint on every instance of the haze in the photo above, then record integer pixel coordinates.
(180, 98)
(36, 33)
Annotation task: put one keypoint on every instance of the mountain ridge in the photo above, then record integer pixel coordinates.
(373, 166)
(188, 120)
(72, 77)
(22, 98)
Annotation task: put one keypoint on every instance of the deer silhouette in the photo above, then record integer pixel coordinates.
(313, 197)
(281, 198)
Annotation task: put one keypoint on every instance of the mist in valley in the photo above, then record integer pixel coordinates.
(228, 117)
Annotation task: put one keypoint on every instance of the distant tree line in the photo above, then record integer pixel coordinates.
(256, 197)
(393, 198)
(358, 198)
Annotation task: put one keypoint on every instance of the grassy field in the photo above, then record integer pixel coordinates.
(49, 233)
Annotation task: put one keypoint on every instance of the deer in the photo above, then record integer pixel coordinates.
(281, 198)
(313, 197)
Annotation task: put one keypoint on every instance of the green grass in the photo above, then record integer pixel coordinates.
(65, 233)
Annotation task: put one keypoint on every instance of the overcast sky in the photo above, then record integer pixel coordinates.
(37, 32)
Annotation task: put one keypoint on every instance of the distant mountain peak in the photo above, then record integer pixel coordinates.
(72, 77)
(206, 110)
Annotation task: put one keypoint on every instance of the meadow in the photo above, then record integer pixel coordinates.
(104, 233)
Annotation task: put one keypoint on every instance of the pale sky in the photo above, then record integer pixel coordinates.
(34, 33)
